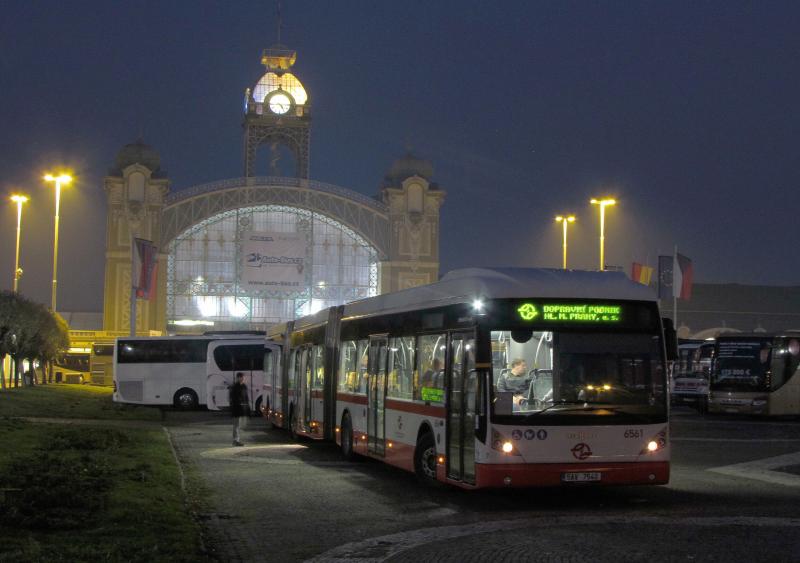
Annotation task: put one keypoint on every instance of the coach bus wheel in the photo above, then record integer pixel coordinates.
(347, 438)
(425, 458)
(185, 399)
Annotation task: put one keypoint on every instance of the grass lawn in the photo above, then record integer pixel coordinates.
(61, 400)
(89, 492)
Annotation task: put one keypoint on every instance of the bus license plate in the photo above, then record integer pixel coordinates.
(580, 477)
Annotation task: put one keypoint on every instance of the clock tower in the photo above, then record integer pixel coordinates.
(277, 112)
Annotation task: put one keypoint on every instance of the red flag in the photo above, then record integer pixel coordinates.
(143, 271)
(682, 272)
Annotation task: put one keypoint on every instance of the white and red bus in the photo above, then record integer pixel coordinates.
(488, 378)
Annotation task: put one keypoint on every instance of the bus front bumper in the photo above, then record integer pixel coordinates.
(557, 474)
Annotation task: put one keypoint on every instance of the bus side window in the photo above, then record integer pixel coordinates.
(401, 367)
(319, 367)
(430, 364)
(363, 366)
(347, 367)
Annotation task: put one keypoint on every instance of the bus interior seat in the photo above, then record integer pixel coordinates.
(541, 387)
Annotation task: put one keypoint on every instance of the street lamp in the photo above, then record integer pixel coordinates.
(19, 200)
(565, 219)
(58, 180)
(603, 203)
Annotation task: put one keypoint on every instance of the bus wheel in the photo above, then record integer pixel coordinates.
(185, 399)
(425, 458)
(347, 438)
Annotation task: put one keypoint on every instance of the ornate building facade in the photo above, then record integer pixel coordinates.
(355, 246)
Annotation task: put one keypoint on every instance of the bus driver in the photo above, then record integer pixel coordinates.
(515, 380)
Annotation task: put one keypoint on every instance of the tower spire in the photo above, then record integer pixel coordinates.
(280, 21)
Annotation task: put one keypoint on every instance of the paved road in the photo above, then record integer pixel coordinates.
(734, 496)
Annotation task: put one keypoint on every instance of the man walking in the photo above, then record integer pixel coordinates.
(240, 406)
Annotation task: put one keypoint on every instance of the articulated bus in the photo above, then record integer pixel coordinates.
(487, 378)
(756, 374)
(164, 370)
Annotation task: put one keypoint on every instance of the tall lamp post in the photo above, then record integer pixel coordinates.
(603, 203)
(61, 179)
(564, 220)
(19, 200)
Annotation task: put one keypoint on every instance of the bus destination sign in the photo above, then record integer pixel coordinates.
(570, 313)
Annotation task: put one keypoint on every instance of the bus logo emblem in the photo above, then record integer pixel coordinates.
(581, 451)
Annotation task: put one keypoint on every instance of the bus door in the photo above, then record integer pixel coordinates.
(376, 395)
(303, 401)
(272, 354)
(462, 404)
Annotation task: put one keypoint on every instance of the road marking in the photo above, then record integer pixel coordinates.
(249, 454)
(383, 548)
(764, 470)
(746, 440)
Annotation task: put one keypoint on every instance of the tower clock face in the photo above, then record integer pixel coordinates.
(280, 104)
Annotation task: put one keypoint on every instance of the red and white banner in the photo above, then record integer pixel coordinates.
(682, 274)
(143, 271)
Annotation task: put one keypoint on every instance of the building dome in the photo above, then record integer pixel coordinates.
(408, 166)
(137, 153)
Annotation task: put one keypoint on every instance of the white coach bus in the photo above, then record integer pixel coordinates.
(756, 374)
(488, 378)
(226, 358)
(164, 370)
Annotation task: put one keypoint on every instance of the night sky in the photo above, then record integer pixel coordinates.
(686, 112)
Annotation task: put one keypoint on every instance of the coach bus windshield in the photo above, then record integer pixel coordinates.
(754, 364)
(592, 373)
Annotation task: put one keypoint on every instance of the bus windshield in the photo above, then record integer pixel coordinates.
(572, 373)
(73, 361)
(742, 364)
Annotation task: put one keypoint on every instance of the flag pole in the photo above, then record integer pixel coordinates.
(674, 295)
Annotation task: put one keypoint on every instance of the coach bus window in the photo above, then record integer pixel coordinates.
(363, 366)
(785, 360)
(430, 364)
(401, 367)
(348, 364)
(319, 367)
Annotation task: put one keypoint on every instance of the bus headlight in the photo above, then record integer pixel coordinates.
(656, 443)
(503, 444)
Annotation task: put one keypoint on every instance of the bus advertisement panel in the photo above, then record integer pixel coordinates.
(756, 374)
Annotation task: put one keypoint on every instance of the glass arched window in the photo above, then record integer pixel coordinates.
(204, 269)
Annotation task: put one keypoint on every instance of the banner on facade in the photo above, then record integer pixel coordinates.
(273, 261)
(143, 269)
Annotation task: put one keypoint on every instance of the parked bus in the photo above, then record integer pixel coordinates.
(689, 383)
(72, 366)
(162, 370)
(101, 362)
(225, 358)
(487, 378)
(756, 374)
